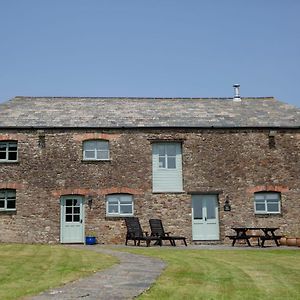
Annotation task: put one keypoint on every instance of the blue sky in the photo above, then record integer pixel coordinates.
(166, 48)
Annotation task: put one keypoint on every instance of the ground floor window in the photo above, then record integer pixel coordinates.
(267, 203)
(7, 200)
(119, 205)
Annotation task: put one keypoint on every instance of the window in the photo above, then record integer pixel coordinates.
(7, 200)
(119, 205)
(8, 151)
(167, 167)
(72, 209)
(96, 150)
(167, 156)
(267, 203)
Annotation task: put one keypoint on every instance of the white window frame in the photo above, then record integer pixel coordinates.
(7, 151)
(118, 199)
(166, 156)
(96, 150)
(5, 199)
(267, 198)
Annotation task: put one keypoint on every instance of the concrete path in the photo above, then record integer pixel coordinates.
(126, 280)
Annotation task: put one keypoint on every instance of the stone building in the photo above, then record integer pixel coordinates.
(73, 165)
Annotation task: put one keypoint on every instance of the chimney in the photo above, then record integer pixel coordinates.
(237, 96)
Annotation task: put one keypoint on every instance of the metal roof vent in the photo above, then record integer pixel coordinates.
(237, 96)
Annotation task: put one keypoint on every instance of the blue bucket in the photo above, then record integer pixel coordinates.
(90, 240)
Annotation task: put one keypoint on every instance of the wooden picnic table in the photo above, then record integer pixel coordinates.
(264, 233)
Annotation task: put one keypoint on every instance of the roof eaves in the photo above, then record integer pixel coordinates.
(144, 127)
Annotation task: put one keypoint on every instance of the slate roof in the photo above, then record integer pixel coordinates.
(74, 112)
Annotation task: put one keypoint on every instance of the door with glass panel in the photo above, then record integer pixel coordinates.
(205, 223)
(72, 217)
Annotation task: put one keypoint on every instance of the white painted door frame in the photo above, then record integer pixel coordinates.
(205, 217)
(72, 219)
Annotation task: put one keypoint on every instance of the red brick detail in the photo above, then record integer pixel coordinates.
(95, 192)
(120, 190)
(268, 188)
(71, 191)
(12, 185)
(95, 136)
(9, 137)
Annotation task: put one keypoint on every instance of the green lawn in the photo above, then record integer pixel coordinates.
(225, 274)
(30, 269)
(190, 274)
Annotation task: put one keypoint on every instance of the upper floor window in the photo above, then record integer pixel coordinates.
(95, 150)
(167, 156)
(7, 200)
(119, 205)
(8, 151)
(267, 203)
(167, 167)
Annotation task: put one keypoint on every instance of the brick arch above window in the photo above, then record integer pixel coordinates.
(120, 190)
(267, 188)
(95, 136)
(95, 192)
(72, 191)
(10, 137)
(12, 185)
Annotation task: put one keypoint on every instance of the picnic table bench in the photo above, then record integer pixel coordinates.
(269, 234)
(263, 234)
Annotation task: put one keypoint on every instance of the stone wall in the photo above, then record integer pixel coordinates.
(230, 163)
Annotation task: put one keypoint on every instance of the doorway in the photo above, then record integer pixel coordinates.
(205, 222)
(72, 216)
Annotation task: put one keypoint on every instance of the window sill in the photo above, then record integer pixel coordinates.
(168, 192)
(267, 214)
(86, 161)
(14, 162)
(117, 217)
(8, 212)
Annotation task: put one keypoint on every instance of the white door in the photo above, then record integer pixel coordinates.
(205, 223)
(72, 226)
